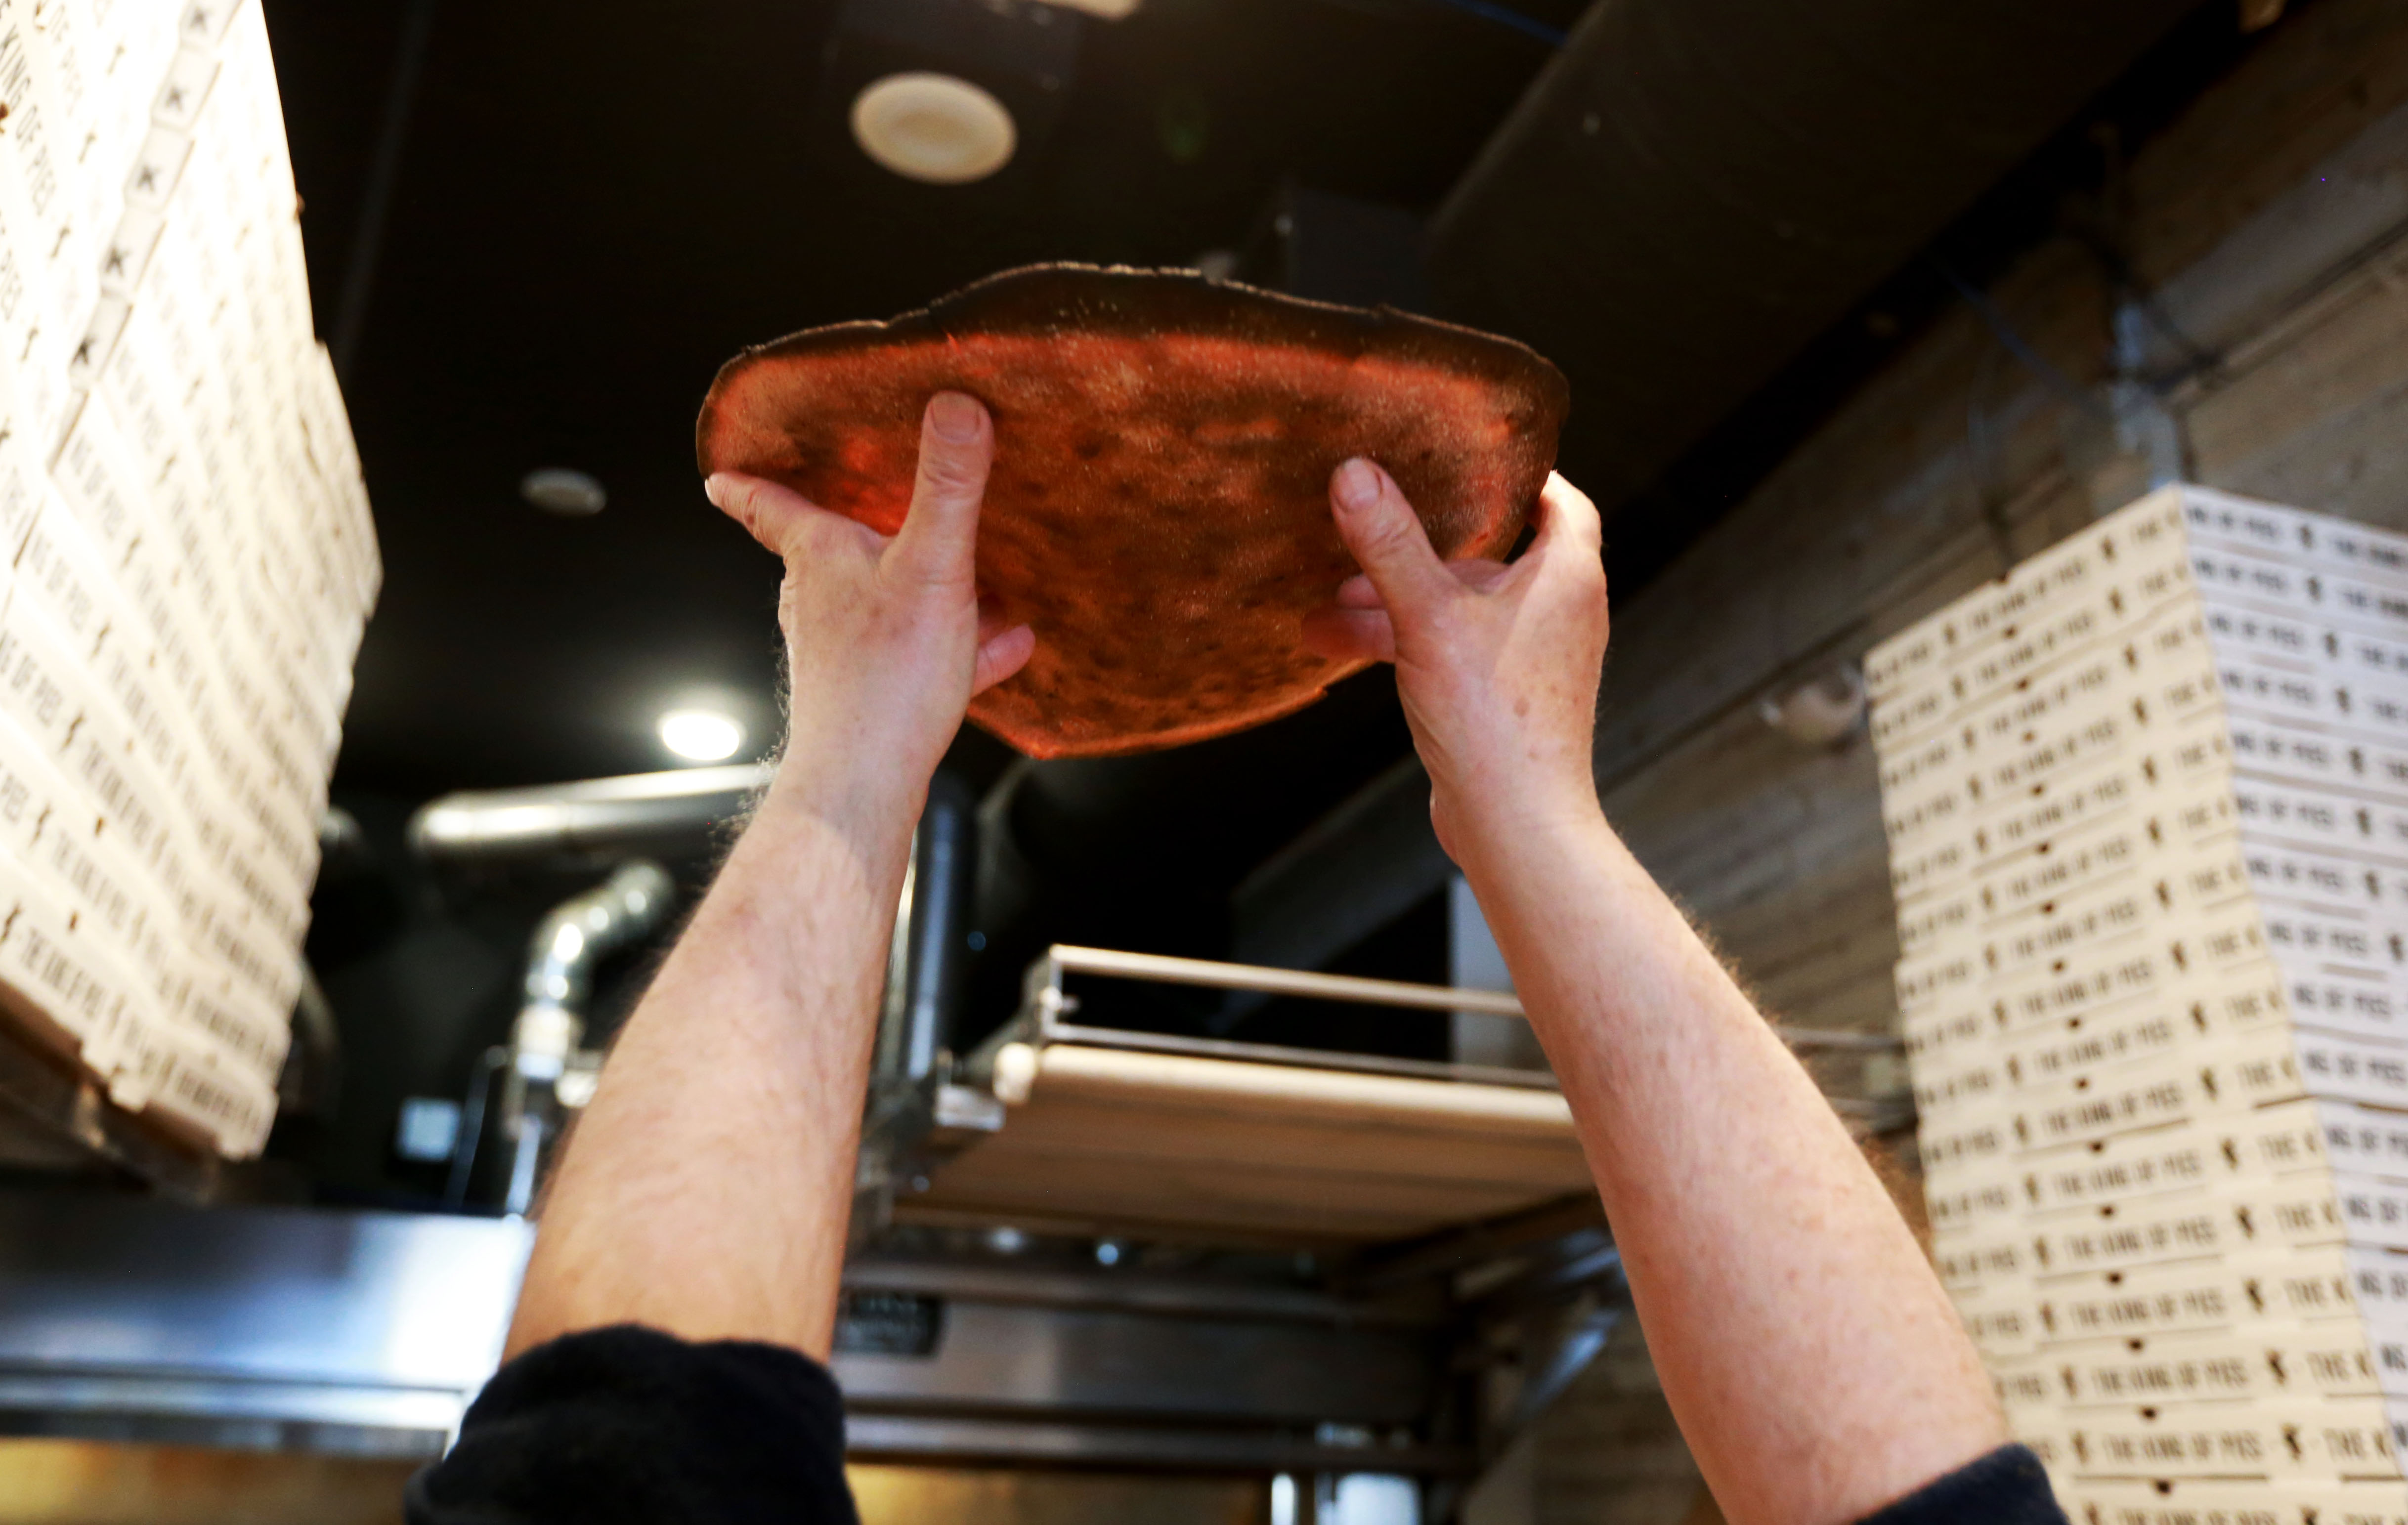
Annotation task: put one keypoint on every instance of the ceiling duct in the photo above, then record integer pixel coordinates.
(1695, 189)
(670, 813)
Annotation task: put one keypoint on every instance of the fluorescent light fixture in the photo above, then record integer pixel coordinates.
(701, 735)
(933, 128)
(557, 490)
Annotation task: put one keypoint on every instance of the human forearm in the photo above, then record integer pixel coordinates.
(706, 1190)
(1803, 1342)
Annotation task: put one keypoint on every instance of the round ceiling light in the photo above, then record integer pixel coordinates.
(933, 128)
(557, 490)
(701, 735)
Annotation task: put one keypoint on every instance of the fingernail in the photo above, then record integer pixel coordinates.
(1358, 484)
(956, 416)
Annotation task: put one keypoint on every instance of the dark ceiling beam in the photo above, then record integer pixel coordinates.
(1693, 189)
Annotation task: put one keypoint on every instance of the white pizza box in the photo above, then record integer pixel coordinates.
(1958, 795)
(40, 811)
(61, 983)
(2002, 1318)
(2239, 1149)
(2177, 889)
(2030, 653)
(2265, 1144)
(2233, 1501)
(2205, 580)
(65, 577)
(2326, 1359)
(2197, 879)
(2362, 1140)
(1982, 1260)
(2353, 1003)
(2257, 646)
(2292, 1211)
(1996, 769)
(1974, 1146)
(2217, 959)
(242, 940)
(68, 845)
(2291, 1284)
(2355, 826)
(351, 529)
(2321, 540)
(2349, 602)
(177, 1079)
(2218, 1079)
(2012, 1068)
(102, 69)
(60, 566)
(25, 236)
(1972, 1202)
(2372, 708)
(2129, 841)
(184, 86)
(2075, 570)
(43, 690)
(2276, 1438)
(2318, 757)
(2284, 874)
(190, 659)
(245, 1027)
(2139, 660)
(2295, 643)
(2029, 1389)
(36, 128)
(101, 480)
(1949, 845)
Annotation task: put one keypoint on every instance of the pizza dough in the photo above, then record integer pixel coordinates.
(1158, 510)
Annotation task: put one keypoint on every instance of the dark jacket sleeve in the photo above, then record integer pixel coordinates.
(631, 1425)
(2007, 1487)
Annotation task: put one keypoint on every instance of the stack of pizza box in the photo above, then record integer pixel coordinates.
(2147, 807)
(186, 558)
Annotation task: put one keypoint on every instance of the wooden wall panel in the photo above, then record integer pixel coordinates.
(2272, 217)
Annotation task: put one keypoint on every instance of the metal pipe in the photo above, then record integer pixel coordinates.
(944, 861)
(580, 932)
(591, 816)
(561, 958)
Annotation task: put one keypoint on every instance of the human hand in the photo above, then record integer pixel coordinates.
(1497, 666)
(885, 642)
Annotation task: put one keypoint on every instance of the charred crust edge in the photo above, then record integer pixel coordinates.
(1087, 298)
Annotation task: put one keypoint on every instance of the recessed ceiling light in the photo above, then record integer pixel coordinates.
(933, 128)
(557, 490)
(701, 735)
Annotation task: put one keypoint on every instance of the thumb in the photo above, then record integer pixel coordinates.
(939, 536)
(1386, 537)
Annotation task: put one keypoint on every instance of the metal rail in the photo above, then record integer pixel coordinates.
(1166, 969)
(1163, 969)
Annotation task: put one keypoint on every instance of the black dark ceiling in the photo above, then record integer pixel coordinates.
(597, 204)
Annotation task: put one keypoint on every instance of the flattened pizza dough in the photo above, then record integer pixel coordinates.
(1158, 510)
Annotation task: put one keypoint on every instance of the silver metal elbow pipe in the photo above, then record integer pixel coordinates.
(577, 935)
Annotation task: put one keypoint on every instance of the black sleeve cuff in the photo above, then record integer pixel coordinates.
(2008, 1487)
(628, 1425)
